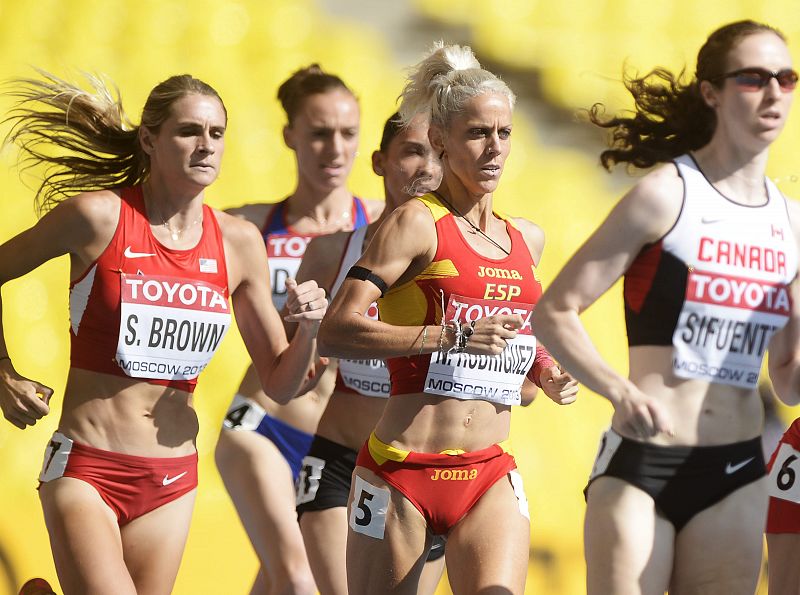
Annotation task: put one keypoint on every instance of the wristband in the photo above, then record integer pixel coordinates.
(541, 362)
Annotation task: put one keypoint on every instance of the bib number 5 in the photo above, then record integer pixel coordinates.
(368, 509)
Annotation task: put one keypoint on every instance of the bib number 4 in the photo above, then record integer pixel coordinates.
(243, 414)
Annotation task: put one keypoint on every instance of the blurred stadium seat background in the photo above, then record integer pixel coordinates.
(559, 56)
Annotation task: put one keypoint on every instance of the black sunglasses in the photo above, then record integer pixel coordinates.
(754, 78)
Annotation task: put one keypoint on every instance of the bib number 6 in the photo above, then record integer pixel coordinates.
(783, 482)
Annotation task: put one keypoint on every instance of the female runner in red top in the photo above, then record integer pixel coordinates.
(152, 269)
(454, 329)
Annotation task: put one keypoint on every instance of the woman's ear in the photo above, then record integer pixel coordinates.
(378, 163)
(709, 94)
(146, 140)
(288, 137)
(436, 136)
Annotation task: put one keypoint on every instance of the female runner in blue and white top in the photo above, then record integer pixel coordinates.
(708, 249)
(264, 439)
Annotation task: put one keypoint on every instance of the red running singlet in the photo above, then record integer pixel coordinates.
(146, 311)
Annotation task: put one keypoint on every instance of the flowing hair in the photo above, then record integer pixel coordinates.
(84, 139)
(670, 116)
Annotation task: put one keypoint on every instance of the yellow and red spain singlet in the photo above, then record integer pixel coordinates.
(146, 311)
(716, 286)
(469, 286)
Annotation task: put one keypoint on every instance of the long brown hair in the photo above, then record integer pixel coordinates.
(84, 139)
(670, 116)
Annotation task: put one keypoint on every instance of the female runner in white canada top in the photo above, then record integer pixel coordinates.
(454, 330)
(264, 438)
(708, 249)
(152, 271)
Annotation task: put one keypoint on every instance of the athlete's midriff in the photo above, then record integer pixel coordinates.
(702, 413)
(339, 424)
(128, 416)
(432, 423)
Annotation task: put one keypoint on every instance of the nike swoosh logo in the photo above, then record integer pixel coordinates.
(708, 220)
(131, 254)
(729, 468)
(168, 480)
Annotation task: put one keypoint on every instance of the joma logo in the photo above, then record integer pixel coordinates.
(454, 474)
(498, 273)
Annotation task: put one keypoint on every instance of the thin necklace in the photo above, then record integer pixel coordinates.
(175, 234)
(325, 222)
(474, 227)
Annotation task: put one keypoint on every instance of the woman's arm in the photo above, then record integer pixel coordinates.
(81, 226)
(401, 248)
(559, 386)
(643, 216)
(784, 347)
(320, 264)
(282, 367)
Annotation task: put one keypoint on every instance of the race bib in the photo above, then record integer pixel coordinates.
(494, 378)
(307, 484)
(243, 414)
(285, 251)
(609, 443)
(725, 327)
(368, 377)
(784, 482)
(169, 327)
(56, 456)
(368, 508)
